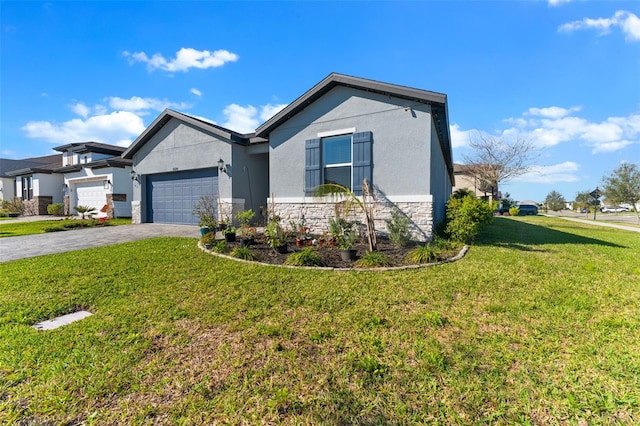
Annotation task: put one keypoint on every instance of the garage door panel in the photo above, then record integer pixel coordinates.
(171, 197)
(91, 194)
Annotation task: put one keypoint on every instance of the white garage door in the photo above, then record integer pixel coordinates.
(91, 194)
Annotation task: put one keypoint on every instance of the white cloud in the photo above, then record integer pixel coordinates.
(240, 119)
(246, 119)
(185, 59)
(119, 127)
(563, 172)
(552, 112)
(550, 126)
(81, 109)
(628, 23)
(196, 92)
(459, 137)
(269, 110)
(140, 105)
(558, 2)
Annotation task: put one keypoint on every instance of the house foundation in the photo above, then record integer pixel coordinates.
(37, 205)
(315, 213)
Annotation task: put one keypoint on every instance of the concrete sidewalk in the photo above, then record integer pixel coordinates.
(14, 248)
(596, 223)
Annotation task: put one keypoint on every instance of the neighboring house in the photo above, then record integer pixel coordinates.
(8, 182)
(178, 159)
(466, 179)
(37, 185)
(95, 175)
(345, 129)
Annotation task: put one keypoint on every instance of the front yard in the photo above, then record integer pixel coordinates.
(538, 324)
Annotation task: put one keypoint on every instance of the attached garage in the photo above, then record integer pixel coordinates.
(91, 194)
(171, 197)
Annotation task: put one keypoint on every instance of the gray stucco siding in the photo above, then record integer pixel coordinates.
(440, 179)
(178, 147)
(401, 141)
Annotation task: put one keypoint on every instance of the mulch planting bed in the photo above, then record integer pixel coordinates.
(330, 255)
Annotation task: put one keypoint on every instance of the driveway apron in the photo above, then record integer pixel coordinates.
(14, 248)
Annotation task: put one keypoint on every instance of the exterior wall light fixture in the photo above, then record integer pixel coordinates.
(221, 166)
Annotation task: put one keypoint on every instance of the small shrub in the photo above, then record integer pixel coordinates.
(373, 259)
(466, 216)
(14, 206)
(56, 209)
(209, 238)
(308, 256)
(221, 247)
(243, 253)
(398, 228)
(422, 254)
(513, 211)
(54, 229)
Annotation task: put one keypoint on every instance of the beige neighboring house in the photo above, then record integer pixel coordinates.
(465, 179)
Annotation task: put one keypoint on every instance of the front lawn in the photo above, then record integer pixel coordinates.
(538, 324)
(15, 229)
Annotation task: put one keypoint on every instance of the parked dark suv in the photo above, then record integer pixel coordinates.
(527, 209)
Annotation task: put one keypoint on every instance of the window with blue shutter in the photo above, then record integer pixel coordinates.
(362, 143)
(312, 173)
(344, 160)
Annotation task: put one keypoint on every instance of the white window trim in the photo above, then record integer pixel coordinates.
(329, 133)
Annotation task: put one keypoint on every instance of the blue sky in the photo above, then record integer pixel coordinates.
(563, 74)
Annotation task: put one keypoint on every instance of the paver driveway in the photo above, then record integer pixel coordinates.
(14, 248)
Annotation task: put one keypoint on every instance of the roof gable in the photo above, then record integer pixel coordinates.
(85, 147)
(167, 115)
(335, 79)
(437, 101)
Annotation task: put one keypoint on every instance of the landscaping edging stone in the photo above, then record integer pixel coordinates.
(463, 251)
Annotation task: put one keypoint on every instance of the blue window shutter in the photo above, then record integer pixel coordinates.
(362, 153)
(311, 165)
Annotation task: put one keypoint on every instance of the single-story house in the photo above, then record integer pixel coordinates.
(345, 129)
(8, 182)
(38, 186)
(466, 179)
(179, 158)
(95, 175)
(342, 130)
(83, 174)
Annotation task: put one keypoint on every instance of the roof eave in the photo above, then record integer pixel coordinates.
(335, 79)
(165, 117)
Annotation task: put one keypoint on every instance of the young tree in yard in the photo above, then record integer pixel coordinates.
(348, 200)
(584, 200)
(623, 185)
(555, 201)
(496, 160)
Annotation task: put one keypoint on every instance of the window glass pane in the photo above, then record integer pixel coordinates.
(336, 150)
(339, 175)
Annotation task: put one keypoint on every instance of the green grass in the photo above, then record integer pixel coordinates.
(15, 229)
(538, 324)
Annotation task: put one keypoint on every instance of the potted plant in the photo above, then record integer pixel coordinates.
(345, 235)
(245, 217)
(230, 234)
(275, 235)
(247, 235)
(208, 240)
(205, 209)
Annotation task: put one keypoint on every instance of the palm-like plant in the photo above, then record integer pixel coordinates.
(84, 210)
(349, 201)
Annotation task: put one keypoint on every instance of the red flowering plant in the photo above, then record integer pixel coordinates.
(303, 233)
